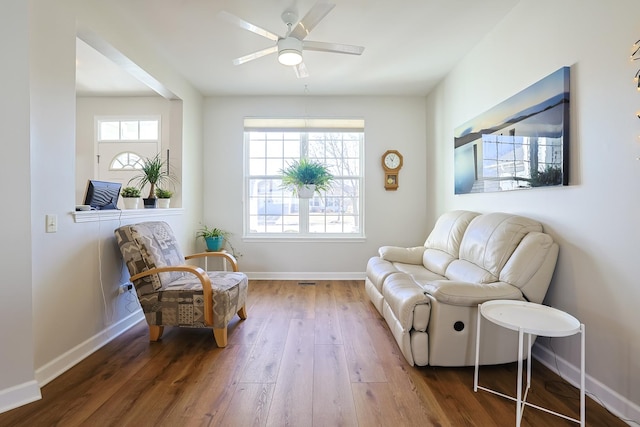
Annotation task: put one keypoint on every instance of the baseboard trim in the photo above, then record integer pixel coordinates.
(347, 275)
(19, 395)
(64, 362)
(615, 403)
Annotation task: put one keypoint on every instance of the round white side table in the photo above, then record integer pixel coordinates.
(531, 319)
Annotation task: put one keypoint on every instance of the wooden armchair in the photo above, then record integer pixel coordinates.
(173, 293)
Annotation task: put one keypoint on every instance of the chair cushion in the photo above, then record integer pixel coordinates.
(181, 303)
(154, 245)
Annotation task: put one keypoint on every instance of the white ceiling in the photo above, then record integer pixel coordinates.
(410, 45)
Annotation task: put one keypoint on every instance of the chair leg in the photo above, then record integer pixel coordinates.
(220, 335)
(243, 312)
(155, 332)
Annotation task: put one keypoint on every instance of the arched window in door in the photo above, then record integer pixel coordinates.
(126, 161)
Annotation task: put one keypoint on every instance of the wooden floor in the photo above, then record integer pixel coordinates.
(308, 355)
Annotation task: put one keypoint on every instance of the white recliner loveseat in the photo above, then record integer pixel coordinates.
(429, 294)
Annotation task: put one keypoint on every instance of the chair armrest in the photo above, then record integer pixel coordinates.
(221, 254)
(199, 273)
(468, 294)
(403, 255)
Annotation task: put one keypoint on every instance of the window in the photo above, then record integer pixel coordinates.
(110, 130)
(270, 145)
(126, 161)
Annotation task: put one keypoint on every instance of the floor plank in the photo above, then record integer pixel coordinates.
(307, 355)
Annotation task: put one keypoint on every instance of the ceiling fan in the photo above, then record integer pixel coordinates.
(290, 47)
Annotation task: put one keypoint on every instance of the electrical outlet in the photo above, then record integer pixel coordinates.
(124, 288)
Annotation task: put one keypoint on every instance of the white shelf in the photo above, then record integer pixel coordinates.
(115, 214)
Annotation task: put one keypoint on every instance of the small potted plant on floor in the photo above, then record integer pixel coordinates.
(164, 197)
(153, 172)
(213, 237)
(304, 177)
(130, 197)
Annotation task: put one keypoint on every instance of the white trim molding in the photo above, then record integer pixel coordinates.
(615, 403)
(19, 395)
(66, 361)
(321, 275)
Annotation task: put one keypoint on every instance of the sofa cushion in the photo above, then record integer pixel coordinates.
(417, 272)
(488, 243)
(443, 243)
(531, 266)
(470, 294)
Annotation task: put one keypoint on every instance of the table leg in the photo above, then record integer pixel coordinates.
(475, 372)
(519, 391)
(529, 364)
(582, 366)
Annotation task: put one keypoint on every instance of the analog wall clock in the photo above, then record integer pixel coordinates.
(391, 163)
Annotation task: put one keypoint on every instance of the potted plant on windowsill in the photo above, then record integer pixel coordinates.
(305, 177)
(153, 172)
(164, 197)
(130, 197)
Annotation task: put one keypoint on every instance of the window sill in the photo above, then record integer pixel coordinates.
(304, 239)
(113, 214)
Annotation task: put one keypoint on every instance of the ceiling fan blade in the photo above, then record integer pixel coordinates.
(301, 70)
(332, 47)
(311, 19)
(255, 55)
(248, 26)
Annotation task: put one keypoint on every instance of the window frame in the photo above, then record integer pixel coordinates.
(304, 213)
(129, 118)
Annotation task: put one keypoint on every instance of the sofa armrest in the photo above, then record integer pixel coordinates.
(468, 294)
(403, 255)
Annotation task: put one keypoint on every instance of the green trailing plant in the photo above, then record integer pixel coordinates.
(153, 172)
(130, 192)
(205, 232)
(300, 173)
(161, 193)
(213, 232)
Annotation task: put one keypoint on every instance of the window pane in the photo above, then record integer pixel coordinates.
(109, 131)
(129, 131)
(149, 130)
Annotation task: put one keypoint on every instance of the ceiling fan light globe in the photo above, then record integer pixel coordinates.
(289, 57)
(289, 51)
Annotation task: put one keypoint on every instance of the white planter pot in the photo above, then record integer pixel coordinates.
(306, 192)
(164, 203)
(131, 202)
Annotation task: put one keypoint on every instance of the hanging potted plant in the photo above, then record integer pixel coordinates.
(305, 177)
(164, 197)
(130, 197)
(213, 237)
(153, 172)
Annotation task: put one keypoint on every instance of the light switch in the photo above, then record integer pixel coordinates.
(52, 223)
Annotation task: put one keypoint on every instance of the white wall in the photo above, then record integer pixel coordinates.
(59, 289)
(390, 123)
(17, 380)
(595, 218)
